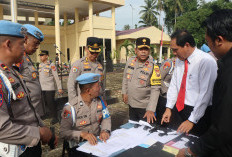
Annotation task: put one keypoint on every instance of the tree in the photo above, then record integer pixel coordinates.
(148, 17)
(126, 27)
(128, 46)
(176, 8)
(193, 20)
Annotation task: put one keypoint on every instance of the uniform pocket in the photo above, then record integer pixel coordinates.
(143, 79)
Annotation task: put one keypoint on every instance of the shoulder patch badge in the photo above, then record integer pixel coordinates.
(166, 65)
(53, 68)
(74, 69)
(66, 114)
(20, 95)
(34, 75)
(11, 80)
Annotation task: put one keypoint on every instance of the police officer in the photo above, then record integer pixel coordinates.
(47, 75)
(20, 125)
(166, 71)
(32, 41)
(141, 83)
(82, 120)
(88, 64)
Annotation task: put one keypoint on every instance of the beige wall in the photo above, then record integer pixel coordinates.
(102, 29)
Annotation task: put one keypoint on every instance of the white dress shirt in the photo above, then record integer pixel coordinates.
(202, 73)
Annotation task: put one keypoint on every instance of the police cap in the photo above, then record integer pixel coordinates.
(34, 31)
(43, 52)
(94, 44)
(143, 42)
(8, 28)
(88, 78)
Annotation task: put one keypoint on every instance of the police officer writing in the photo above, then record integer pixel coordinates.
(141, 83)
(47, 76)
(32, 41)
(20, 126)
(88, 117)
(88, 64)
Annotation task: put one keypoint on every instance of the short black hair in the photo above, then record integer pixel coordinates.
(219, 23)
(84, 87)
(182, 37)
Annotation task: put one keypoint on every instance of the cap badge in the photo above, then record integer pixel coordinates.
(95, 45)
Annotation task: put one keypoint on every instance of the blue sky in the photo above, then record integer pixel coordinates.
(124, 13)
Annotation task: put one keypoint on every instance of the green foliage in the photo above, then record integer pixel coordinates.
(192, 20)
(148, 17)
(129, 46)
(126, 27)
(115, 54)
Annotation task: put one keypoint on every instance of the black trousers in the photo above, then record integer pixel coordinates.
(35, 151)
(136, 114)
(198, 129)
(160, 109)
(49, 99)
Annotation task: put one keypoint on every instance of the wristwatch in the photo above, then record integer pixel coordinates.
(187, 154)
(108, 131)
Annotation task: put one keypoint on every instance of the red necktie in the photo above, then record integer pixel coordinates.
(181, 95)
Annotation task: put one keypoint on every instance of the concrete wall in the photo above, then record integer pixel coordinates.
(102, 29)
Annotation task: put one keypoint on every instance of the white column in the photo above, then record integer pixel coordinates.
(65, 37)
(91, 19)
(113, 40)
(57, 27)
(36, 16)
(77, 51)
(14, 10)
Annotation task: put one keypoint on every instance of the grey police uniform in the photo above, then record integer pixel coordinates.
(30, 75)
(166, 71)
(141, 82)
(87, 118)
(19, 122)
(47, 75)
(79, 67)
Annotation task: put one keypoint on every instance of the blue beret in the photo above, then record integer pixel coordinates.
(205, 48)
(34, 31)
(88, 78)
(8, 28)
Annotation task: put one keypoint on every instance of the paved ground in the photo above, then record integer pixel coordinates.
(118, 111)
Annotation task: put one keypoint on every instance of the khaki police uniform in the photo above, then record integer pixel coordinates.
(47, 75)
(19, 123)
(30, 75)
(79, 67)
(88, 119)
(166, 71)
(141, 82)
